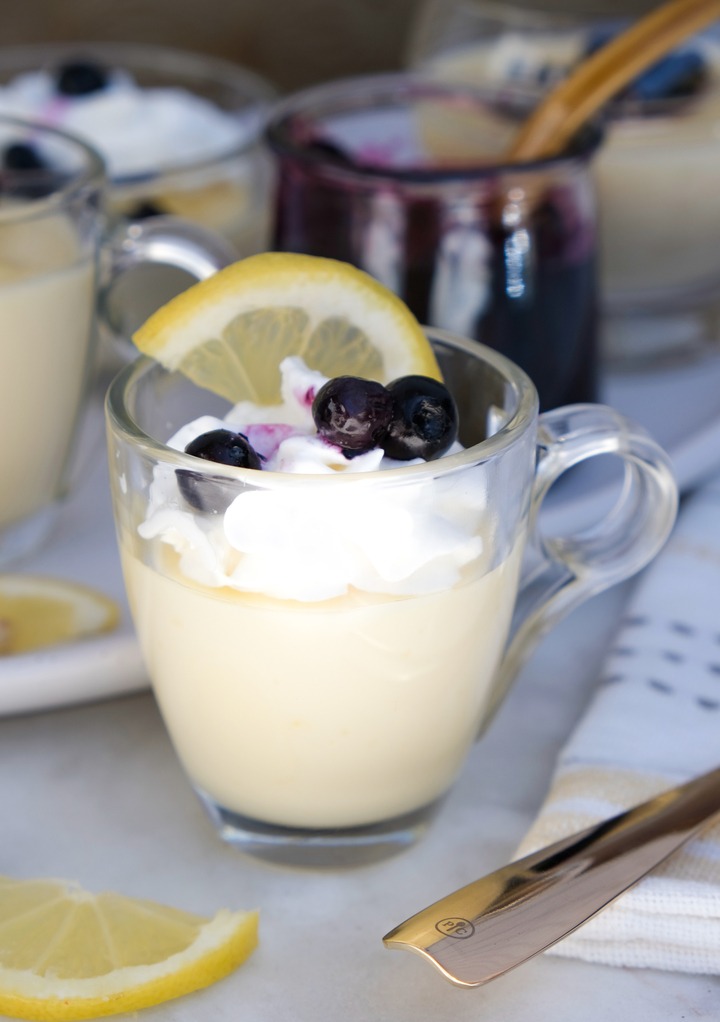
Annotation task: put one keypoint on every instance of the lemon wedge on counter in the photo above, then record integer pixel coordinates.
(36, 611)
(230, 332)
(68, 954)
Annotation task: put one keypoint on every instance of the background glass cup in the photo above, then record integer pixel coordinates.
(656, 174)
(328, 730)
(157, 165)
(52, 243)
(404, 178)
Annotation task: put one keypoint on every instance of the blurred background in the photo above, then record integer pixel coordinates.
(291, 42)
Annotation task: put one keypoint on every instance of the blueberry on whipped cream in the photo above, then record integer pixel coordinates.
(352, 413)
(224, 447)
(678, 75)
(81, 77)
(21, 156)
(24, 173)
(424, 422)
(413, 418)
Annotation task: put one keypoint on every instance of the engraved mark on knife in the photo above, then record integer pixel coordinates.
(455, 926)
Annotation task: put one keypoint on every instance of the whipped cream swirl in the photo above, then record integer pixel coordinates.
(316, 540)
(138, 131)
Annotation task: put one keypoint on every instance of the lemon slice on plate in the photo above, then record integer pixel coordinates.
(68, 954)
(230, 332)
(36, 611)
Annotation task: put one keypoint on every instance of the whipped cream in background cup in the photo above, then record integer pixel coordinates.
(179, 133)
(326, 646)
(57, 254)
(656, 174)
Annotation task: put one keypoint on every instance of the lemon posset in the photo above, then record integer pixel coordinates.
(361, 541)
(341, 615)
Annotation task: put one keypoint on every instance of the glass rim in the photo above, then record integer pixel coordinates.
(159, 58)
(122, 424)
(92, 172)
(414, 84)
(534, 18)
(520, 10)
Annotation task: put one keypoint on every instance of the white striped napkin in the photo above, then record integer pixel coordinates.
(653, 723)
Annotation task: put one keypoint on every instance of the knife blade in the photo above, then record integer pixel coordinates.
(494, 924)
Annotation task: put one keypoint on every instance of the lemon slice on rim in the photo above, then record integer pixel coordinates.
(36, 611)
(230, 332)
(68, 954)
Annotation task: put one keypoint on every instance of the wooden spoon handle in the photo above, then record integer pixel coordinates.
(564, 110)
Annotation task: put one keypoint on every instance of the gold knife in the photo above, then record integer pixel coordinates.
(494, 924)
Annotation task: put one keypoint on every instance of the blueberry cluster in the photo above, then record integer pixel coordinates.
(413, 417)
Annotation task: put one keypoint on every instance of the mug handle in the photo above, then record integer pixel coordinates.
(562, 571)
(169, 240)
(160, 240)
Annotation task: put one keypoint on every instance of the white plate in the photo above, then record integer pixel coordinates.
(82, 548)
(679, 405)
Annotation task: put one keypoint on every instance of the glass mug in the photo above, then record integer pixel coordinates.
(52, 244)
(180, 136)
(404, 177)
(328, 730)
(655, 176)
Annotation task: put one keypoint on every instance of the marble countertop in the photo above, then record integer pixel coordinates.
(92, 791)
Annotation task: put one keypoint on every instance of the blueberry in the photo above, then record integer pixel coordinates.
(424, 420)
(80, 78)
(21, 156)
(25, 174)
(679, 74)
(224, 447)
(676, 76)
(352, 413)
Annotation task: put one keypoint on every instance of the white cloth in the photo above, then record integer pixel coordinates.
(653, 723)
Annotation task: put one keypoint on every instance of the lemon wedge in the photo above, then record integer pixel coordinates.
(230, 332)
(36, 611)
(457, 136)
(68, 954)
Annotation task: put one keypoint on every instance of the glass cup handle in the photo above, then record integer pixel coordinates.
(161, 240)
(565, 570)
(168, 240)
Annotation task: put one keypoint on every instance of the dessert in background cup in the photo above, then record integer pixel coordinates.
(53, 238)
(49, 235)
(179, 133)
(324, 621)
(659, 208)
